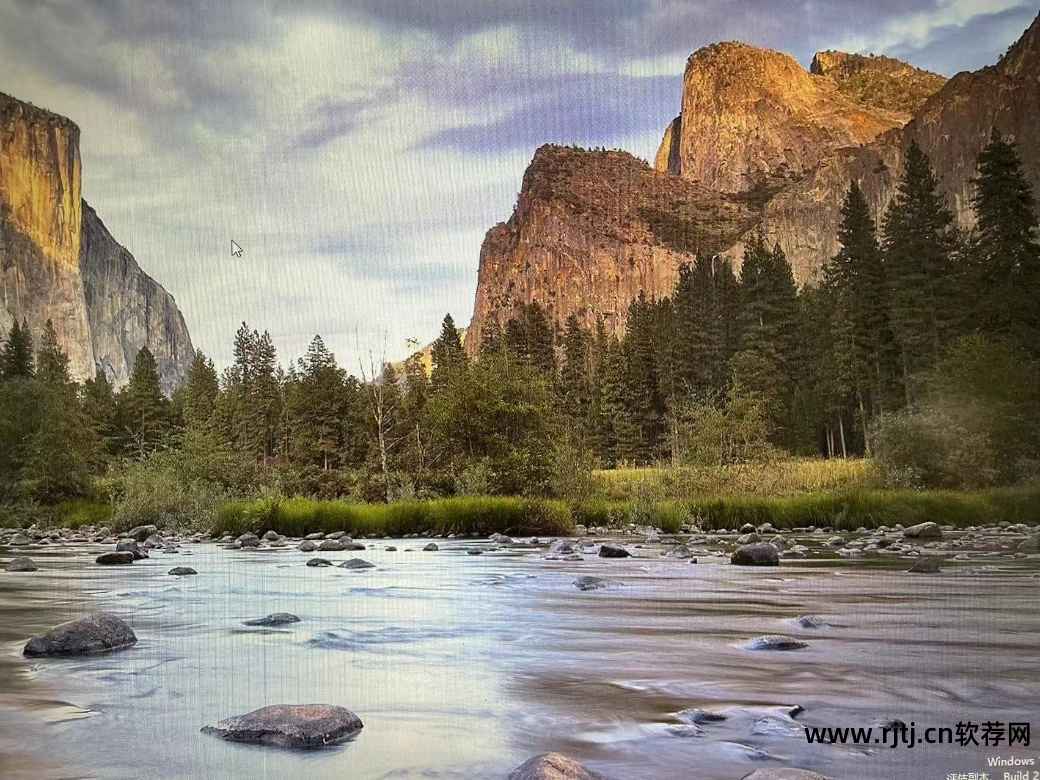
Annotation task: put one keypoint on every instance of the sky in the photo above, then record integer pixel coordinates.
(358, 150)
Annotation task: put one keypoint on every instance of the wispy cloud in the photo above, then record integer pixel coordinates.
(358, 150)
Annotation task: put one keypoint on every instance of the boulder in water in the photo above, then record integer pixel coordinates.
(610, 551)
(591, 583)
(756, 554)
(22, 564)
(93, 634)
(923, 531)
(307, 546)
(18, 540)
(277, 619)
(142, 532)
(784, 773)
(927, 565)
(129, 545)
(331, 545)
(774, 642)
(553, 766)
(290, 725)
(182, 571)
(319, 562)
(115, 558)
(357, 564)
(431, 547)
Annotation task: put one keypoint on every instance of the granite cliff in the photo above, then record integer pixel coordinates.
(760, 143)
(58, 262)
(593, 229)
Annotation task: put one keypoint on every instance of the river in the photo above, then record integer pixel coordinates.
(463, 666)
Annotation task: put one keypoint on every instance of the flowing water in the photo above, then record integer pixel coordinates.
(464, 666)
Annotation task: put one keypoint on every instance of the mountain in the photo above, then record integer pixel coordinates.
(590, 231)
(58, 262)
(760, 144)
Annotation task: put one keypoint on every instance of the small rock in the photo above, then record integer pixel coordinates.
(431, 547)
(474, 551)
(757, 554)
(697, 716)
(747, 528)
(248, 540)
(750, 538)
(835, 541)
(562, 547)
(290, 725)
(277, 619)
(319, 562)
(923, 531)
(182, 571)
(610, 551)
(315, 537)
(926, 565)
(391, 548)
(331, 545)
(115, 558)
(22, 564)
(307, 546)
(591, 583)
(93, 634)
(357, 564)
(553, 766)
(785, 773)
(774, 642)
(810, 621)
(19, 540)
(272, 536)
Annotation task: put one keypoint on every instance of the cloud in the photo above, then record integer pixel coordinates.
(359, 150)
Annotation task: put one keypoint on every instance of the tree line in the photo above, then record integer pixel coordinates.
(916, 332)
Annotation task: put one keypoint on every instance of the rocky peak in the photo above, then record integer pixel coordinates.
(878, 81)
(753, 120)
(59, 263)
(590, 232)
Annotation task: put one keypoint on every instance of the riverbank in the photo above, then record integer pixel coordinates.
(484, 515)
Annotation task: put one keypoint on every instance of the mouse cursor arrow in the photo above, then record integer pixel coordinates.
(236, 250)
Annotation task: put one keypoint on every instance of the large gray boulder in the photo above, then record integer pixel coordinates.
(926, 565)
(115, 558)
(756, 554)
(612, 551)
(21, 564)
(923, 531)
(290, 725)
(129, 545)
(142, 532)
(357, 564)
(553, 766)
(332, 545)
(92, 634)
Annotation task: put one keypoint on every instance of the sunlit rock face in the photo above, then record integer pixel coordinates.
(59, 263)
(952, 127)
(760, 144)
(40, 217)
(590, 232)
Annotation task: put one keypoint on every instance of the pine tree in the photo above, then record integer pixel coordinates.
(1005, 253)
(16, 355)
(101, 409)
(529, 336)
(646, 411)
(250, 407)
(918, 243)
(707, 326)
(198, 397)
(144, 410)
(864, 347)
(769, 302)
(447, 353)
(316, 402)
(52, 364)
(575, 373)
